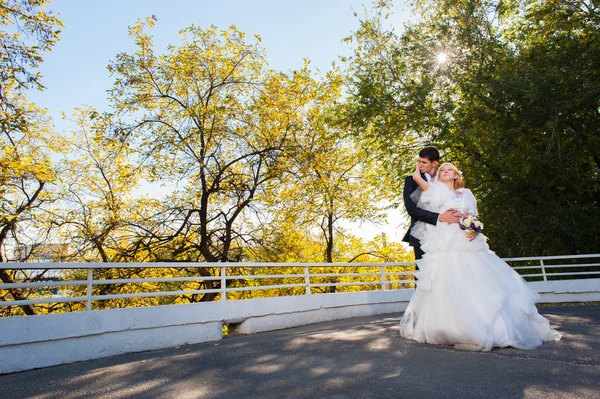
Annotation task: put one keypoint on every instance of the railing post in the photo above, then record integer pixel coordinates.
(307, 280)
(223, 284)
(382, 275)
(90, 279)
(543, 269)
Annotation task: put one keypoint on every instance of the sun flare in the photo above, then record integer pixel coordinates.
(442, 58)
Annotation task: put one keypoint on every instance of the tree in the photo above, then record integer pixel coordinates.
(331, 178)
(389, 107)
(28, 31)
(514, 102)
(98, 210)
(26, 167)
(210, 117)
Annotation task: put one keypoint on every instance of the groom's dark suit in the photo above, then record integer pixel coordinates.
(415, 214)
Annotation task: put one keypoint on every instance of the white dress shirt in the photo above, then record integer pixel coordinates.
(429, 178)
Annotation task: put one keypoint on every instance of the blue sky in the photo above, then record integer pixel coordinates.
(75, 74)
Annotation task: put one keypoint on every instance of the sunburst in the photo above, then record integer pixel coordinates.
(442, 58)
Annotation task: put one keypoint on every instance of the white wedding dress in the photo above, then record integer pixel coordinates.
(466, 295)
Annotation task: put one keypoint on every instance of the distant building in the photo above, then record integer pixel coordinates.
(40, 253)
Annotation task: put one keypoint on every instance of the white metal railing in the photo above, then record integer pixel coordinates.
(543, 266)
(386, 277)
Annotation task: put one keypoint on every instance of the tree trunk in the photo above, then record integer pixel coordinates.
(17, 293)
(329, 239)
(329, 251)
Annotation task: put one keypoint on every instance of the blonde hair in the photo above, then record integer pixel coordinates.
(459, 182)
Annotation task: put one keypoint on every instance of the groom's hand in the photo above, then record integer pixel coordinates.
(450, 216)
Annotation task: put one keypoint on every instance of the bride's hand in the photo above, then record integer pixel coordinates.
(417, 171)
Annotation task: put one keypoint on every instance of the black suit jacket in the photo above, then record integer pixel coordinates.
(416, 213)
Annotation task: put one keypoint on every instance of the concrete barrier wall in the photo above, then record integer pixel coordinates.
(47, 340)
(556, 291)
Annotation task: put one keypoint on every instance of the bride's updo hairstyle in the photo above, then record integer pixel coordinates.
(459, 182)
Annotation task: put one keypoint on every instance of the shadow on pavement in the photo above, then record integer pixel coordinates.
(354, 358)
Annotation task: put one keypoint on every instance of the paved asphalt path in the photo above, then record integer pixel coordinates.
(354, 358)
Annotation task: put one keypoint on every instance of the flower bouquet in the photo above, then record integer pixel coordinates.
(470, 223)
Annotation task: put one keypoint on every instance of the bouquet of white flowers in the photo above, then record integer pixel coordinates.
(470, 223)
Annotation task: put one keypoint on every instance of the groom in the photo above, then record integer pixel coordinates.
(429, 158)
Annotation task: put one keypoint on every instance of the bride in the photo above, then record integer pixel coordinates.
(466, 295)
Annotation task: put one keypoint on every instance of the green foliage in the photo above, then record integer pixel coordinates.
(267, 166)
(27, 30)
(515, 104)
(243, 144)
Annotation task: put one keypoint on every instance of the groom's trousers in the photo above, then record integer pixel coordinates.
(416, 244)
